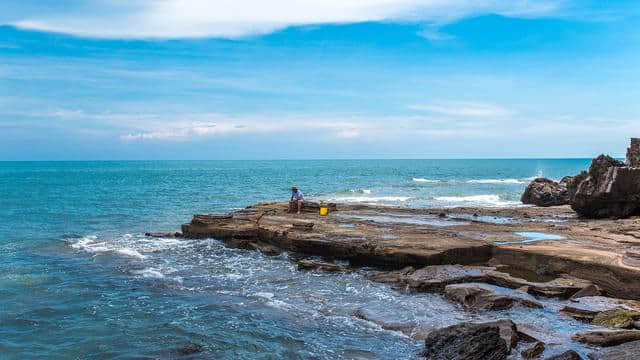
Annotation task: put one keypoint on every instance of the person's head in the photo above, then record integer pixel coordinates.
(294, 189)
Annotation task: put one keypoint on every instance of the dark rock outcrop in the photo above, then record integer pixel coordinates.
(608, 189)
(470, 341)
(545, 192)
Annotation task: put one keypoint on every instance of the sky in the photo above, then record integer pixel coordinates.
(317, 79)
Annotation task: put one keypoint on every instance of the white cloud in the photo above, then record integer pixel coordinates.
(208, 125)
(464, 109)
(237, 18)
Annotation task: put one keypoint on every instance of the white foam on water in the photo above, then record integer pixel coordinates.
(131, 253)
(149, 273)
(423, 180)
(369, 199)
(489, 200)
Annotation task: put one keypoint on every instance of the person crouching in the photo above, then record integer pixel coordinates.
(296, 199)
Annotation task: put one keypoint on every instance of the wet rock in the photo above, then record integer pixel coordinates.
(563, 286)
(472, 341)
(627, 351)
(397, 278)
(636, 325)
(588, 307)
(567, 355)
(321, 265)
(414, 330)
(434, 278)
(590, 290)
(266, 249)
(608, 189)
(607, 337)
(534, 351)
(475, 297)
(616, 318)
(545, 192)
(530, 333)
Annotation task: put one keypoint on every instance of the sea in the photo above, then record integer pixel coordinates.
(80, 280)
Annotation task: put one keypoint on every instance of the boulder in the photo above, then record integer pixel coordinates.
(476, 297)
(470, 341)
(607, 337)
(627, 351)
(567, 355)
(545, 192)
(608, 189)
(533, 351)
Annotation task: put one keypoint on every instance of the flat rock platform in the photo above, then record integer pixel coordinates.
(528, 242)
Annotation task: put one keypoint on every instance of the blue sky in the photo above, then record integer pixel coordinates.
(245, 79)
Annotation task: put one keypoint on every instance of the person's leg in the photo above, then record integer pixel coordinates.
(299, 206)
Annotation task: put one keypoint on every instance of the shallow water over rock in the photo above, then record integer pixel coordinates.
(532, 237)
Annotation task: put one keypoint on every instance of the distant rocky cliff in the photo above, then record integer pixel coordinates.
(633, 153)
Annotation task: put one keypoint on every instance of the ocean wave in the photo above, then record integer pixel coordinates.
(369, 199)
(423, 180)
(356, 191)
(498, 181)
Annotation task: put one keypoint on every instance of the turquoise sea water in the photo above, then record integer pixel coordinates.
(78, 278)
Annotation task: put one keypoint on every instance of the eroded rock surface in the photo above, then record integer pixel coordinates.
(633, 153)
(607, 337)
(608, 189)
(545, 192)
(475, 297)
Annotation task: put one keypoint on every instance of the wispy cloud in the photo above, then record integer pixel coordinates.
(210, 125)
(238, 18)
(473, 109)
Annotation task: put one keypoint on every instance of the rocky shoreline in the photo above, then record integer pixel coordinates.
(484, 259)
(468, 255)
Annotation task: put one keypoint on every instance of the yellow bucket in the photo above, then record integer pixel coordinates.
(324, 211)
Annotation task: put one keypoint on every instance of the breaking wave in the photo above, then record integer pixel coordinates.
(423, 180)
